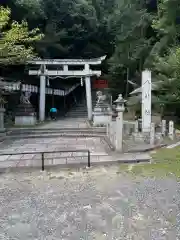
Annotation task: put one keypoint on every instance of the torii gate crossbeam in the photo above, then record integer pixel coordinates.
(86, 73)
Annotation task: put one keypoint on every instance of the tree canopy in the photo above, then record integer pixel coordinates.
(134, 34)
(16, 39)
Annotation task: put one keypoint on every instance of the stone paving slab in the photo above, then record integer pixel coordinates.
(97, 146)
(66, 123)
(99, 152)
(55, 135)
(95, 205)
(92, 143)
(35, 160)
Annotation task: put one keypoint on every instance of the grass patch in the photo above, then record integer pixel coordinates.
(165, 162)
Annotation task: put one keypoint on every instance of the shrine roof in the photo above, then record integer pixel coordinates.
(139, 90)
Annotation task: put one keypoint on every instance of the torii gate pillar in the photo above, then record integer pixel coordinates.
(88, 92)
(88, 97)
(42, 98)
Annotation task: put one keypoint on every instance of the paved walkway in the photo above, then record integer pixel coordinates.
(26, 149)
(99, 152)
(95, 205)
(95, 145)
(66, 123)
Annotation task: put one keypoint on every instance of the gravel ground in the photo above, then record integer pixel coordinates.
(97, 204)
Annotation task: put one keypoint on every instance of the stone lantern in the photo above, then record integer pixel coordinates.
(119, 122)
(120, 104)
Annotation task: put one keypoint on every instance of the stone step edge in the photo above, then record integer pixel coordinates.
(56, 129)
(12, 133)
(37, 156)
(148, 149)
(52, 136)
(54, 133)
(77, 165)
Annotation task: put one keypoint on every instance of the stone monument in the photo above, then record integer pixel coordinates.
(25, 113)
(171, 130)
(102, 114)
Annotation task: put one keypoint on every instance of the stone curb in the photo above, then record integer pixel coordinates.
(56, 129)
(76, 165)
(51, 136)
(148, 149)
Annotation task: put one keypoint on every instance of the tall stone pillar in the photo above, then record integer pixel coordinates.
(119, 123)
(88, 92)
(42, 98)
(146, 101)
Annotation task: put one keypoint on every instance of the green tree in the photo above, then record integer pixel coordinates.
(30, 9)
(130, 23)
(164, 58)
(72, 28)
(16, 40)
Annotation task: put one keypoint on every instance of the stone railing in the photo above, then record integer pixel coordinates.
(131, 129)
(125, 133)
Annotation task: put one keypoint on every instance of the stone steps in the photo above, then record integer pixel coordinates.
(81, 109)
(77, 115)
(12, 131)
(54, 135)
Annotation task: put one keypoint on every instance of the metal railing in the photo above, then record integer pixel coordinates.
(42, 153)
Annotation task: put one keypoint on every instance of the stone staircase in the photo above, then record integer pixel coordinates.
(55, 133)
(80, 110)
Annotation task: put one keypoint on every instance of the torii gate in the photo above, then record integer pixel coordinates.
(64, 72)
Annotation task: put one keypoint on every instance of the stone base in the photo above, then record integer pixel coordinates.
(2, 133)
(139, 137)
(101, 120)
(25, 120)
